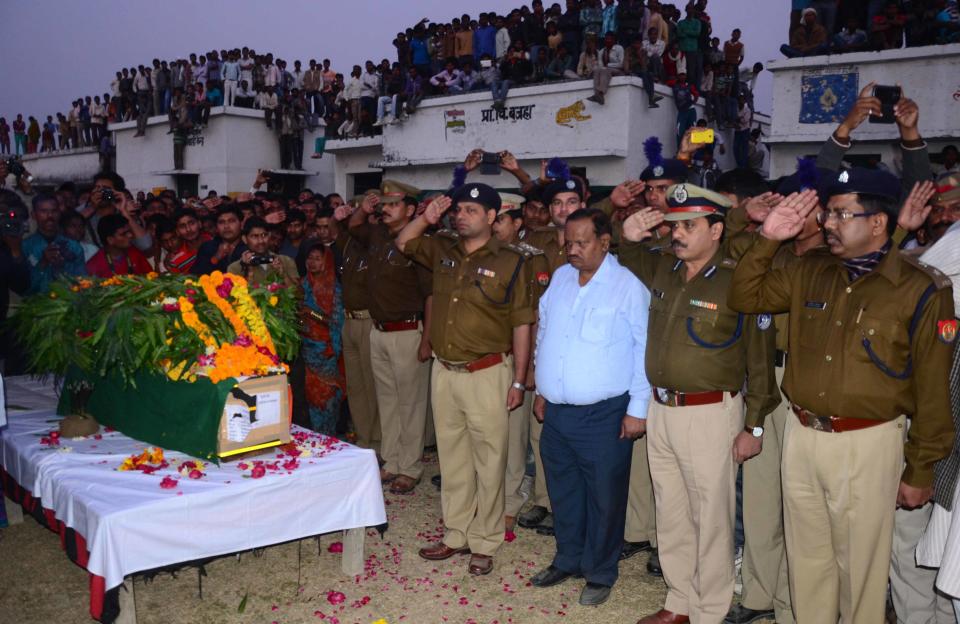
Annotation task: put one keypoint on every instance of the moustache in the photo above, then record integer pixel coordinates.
(678, 245)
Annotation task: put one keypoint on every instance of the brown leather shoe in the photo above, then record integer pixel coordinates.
(480, 564)
(510, 522)
(386, 477)
(665, 617)
(440, 551)
(403, 484)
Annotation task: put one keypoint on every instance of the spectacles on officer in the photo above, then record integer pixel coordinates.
(842, 216)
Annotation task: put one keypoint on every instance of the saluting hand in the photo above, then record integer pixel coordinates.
(369, 204)
(343, 212)
(758, 208)
(436, 208)
(632, 428)
(624, 194)
(745, 446)
(637, 227)
(786, 219)
(915, 209)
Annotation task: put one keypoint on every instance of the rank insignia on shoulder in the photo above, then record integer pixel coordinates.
(729, 263)
(448, 263)
(528, 249)
(947, 330)
(486, 272)
(764, 321)
(706, 305)
(448, 233)
(543, 278)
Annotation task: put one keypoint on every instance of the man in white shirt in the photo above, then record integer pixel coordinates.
(592, 398)
(609, 64)
(448, 80)
(231, 78)
(246, 67)
(654, 48)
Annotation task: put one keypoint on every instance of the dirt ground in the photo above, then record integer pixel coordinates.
(38, 584)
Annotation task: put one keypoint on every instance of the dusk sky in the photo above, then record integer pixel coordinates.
(55, 51)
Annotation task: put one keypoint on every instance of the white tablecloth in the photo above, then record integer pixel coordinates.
(132, 524)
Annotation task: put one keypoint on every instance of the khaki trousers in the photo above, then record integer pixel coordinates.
(401, 382)
(517, 440)
(764, 571)
(538, 494)
(839, 497)
(690, 450)
(915, 598)
(471, 416)
(641, 511)
(361, 392)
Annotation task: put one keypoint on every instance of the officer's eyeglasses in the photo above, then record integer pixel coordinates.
(843, 216)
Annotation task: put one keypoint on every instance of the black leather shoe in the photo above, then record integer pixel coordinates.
(549, 576)
(531, 518)
(435, 479)
(739, 614)
(653, 563)
(546, 526)
(629, 549)
(594, 594)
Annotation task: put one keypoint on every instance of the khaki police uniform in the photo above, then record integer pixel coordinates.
(855, 370)
(398, 289)
(357, 325)
(478, 299)
(700, 355)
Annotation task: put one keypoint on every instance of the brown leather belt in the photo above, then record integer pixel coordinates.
(357, 315)
(395, 326)
(476, 365)
(832, 424)
(672, 398)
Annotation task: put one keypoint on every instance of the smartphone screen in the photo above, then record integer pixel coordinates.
(888, 97)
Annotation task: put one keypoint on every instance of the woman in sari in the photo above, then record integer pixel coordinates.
(322, 347)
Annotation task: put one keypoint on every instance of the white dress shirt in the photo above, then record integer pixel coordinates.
(592, 339)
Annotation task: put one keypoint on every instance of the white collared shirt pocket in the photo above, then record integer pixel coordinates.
(598, 324)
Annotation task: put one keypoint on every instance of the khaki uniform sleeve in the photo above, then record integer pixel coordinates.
(422, 250)
(605, 205)
(735, 222)
(755, 288)
(931, 429)
(763, 396)
(522, 310)
(361, 232)
(736, 246)
(640, 260)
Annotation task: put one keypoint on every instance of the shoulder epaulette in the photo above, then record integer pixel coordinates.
(940, 279)
(522, 249)
(451, 234)
(729, 263)
(529, 249)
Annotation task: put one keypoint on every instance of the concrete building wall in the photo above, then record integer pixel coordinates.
(928, 75)
(54, 168)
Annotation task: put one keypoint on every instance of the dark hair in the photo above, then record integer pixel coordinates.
(185, 212)
(880, 204)
(254, 222)
(295, 214)
(601, 222)
(69, 217)
(742, 182)
(325, 213)
(233, 209)
(305, 250)
(108, 226)
(118, 183)
(40, 198)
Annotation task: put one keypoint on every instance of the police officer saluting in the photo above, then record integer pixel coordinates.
(871, 335)
(483, 310)
(700, 354)
(399, 347)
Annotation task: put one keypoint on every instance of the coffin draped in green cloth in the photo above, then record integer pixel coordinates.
(175, 415)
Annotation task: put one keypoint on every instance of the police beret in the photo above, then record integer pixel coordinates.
(572, 185)
(806, 178)
(477, 193)
(392, 191)
(688, 201)
(669, 169)
(864, 181)
(948, 189)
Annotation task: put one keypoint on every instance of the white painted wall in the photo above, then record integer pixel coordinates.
(929, 75)
(54, 168)
(609, 142)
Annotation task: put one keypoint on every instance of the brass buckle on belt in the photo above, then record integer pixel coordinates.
(820, 423)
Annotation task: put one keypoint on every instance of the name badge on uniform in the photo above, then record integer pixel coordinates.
(448, 263)
(486, 272)
(706, 305)
(816, 305)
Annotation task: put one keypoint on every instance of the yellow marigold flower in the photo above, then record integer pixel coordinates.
(273, 300)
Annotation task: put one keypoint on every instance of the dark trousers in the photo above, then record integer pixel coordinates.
(587, 467)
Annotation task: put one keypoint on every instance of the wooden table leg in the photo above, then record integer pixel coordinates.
(351, 560)
(128, 603)
(14, 511)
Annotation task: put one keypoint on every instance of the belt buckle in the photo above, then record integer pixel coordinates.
(664, 395)
(821, 423)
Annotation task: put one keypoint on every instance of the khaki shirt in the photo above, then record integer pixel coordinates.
(478, 298)
(841, 334)
(397, 286)
(695, 341)
(354, 269)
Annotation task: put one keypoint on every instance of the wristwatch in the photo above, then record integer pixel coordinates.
(756, 432)
(518, 386)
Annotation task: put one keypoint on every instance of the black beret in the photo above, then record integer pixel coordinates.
(572, 185)
(669, 169)
(864, 182)
(478, 193)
